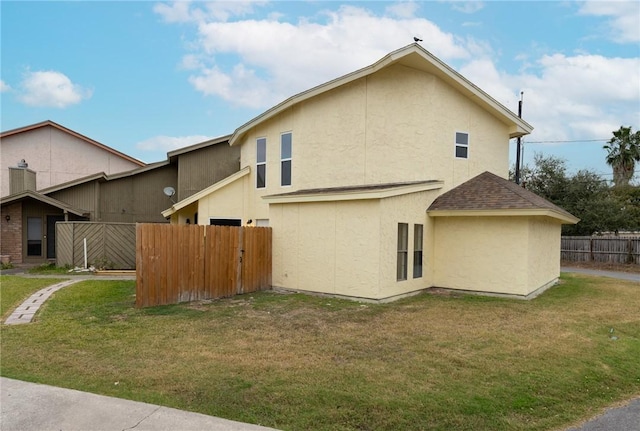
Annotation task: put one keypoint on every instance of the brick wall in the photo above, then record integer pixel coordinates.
(11, 232)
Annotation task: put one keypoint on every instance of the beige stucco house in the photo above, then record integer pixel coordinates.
(347, 175)
(58, 155)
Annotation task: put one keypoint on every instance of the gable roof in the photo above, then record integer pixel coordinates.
(413, 56)
(29, 194)
(489, 194)
(49, 123)
(205, 192)
(171, 155)
(101, 176)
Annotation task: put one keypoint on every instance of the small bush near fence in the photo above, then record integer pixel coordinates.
(613, 249)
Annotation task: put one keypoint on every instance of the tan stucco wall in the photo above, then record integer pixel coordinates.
(328, 247)
(57, 157)
(544, 251)
(511, 255)
(227, 202)
(396, 125)
(349, 247)
(486, 254)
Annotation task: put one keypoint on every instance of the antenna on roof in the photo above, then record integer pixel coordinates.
(519, 141)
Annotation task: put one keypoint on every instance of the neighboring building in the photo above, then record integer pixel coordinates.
(58, 155)
(346, 172)
(28, 235)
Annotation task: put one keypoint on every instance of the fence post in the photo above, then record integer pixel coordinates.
(239, 287)
(591, 250)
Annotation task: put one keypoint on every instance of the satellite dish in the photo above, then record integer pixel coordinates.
(169, 191)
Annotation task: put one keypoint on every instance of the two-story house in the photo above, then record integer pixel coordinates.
(386, 181)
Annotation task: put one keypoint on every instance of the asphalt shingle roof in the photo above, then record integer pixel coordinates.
(488, 191)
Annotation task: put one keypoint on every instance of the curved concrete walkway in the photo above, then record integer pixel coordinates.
(25, 311)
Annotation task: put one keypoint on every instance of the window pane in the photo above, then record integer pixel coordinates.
(417, 251)
(261, 173)
(34, 236)
(261, 150)
(403, 236)
(462, 138)
(285, 177)
(461, 152)
(403, 240)
(285, 146)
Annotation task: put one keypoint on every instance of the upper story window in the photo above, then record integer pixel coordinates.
(285, 159)
(462, 145)
(261, 163)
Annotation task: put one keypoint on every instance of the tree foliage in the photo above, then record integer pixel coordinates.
(586, 195)
(623, 151)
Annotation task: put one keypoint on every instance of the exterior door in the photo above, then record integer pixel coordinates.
(51, 234)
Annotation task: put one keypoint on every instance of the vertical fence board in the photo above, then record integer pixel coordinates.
(186, 263)
(614, 249)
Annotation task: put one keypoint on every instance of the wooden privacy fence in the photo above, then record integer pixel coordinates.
(612, 249)
(180, 263)
(109, 245)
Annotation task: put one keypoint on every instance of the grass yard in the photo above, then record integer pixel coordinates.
(296, 362)
(14, 290)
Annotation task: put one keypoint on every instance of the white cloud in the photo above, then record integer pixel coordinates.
(403, 10)
(258, 63)
(567, 97)
(184, 11)
(624, 18)
(51, 89)
(4, 86)
(168, 143)
(467, 6)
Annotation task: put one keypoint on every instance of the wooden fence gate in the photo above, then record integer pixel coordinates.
(108, 245)
(192, 262)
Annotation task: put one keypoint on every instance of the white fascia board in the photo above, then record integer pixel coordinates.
(353, 195)
(565, 218)
(204, 192)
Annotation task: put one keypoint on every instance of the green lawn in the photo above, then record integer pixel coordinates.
(14, 290)
(297, 362)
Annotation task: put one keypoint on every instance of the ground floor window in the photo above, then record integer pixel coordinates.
(34, 236)
(403, 241)
(417, 250)
(225, 222)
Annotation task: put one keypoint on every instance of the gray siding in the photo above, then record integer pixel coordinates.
(201, 168)
(138, 198)
(82, 196)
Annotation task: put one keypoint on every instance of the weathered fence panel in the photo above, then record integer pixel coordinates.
(191, 262)
(109, 245)
(613, 249)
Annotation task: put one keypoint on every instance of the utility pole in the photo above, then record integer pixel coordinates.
(519, 141)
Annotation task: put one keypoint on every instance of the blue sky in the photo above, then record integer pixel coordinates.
(147, 77)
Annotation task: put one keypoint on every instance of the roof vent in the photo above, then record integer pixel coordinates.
(23, 164)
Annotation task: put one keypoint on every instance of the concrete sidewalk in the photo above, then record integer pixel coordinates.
(29, 406)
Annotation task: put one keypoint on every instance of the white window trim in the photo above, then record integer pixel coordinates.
(289, 159)
(456, 145)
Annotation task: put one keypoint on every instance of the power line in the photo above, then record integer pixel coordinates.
(564, 142)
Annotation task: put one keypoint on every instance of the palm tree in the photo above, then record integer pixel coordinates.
(623, 153)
